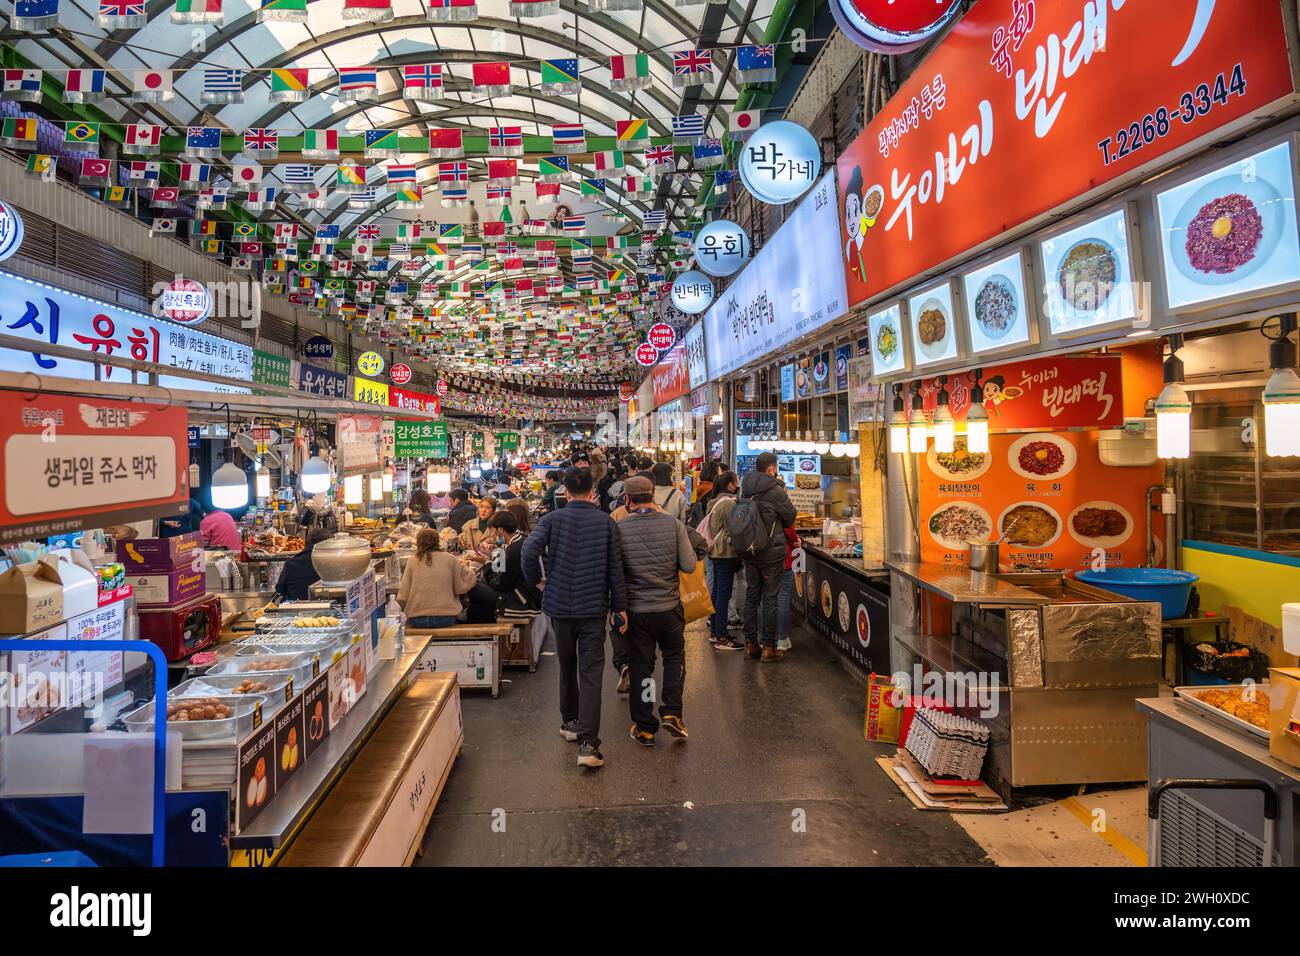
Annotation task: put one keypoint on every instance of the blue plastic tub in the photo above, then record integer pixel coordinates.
(1172, 589)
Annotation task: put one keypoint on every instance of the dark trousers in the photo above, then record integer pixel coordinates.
(762, 583)
(619, 643)
(647, 630)
(580, 646)
(483, 602)
(723, 583)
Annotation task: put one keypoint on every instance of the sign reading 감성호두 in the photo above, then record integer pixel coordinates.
(417, 439)
(71, 463)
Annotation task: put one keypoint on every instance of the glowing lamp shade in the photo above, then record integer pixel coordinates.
(945, 430)
(1173, 422)
(439, 482)
(229, 487)
(977, 430)
(262, 482)
(917, 432)
(315, 477)
(837, 450)
(898, 433)
(388, 479)
(376, 488)
(853, 449)
(1282, 414)
(353, 492)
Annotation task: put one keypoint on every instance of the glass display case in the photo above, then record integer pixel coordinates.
(1234, 493)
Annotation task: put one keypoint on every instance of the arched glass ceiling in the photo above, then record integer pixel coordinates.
(328, 41)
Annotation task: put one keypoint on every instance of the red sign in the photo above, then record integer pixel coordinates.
(72, 463)
(626, 392)
(661, 336)
(400, 373)
(185, 301)
(442, 387)
(892, 26)
(1027, 106)
(408, 398)
(672, 378)
(646, 354)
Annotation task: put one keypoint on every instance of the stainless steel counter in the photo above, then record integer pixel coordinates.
(966, 587)
(1166, 710)
(295, 802)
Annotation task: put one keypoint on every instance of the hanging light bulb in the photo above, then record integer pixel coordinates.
(229, 487)
(262, 482)
(376, 488)
(977, 420)
(918, 430)
(388, 479)
(821, 446)
(1282, 396)
(837, 450)
(852, 449)
(1173, 409)
(898, 424)
(315, 477)
(945, 429)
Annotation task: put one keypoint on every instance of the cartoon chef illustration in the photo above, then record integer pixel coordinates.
(855, 225)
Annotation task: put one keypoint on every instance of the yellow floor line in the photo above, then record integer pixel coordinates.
(1118, 841)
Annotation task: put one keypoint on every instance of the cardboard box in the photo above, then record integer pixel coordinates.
(168, 588)
(31, 598)
(80, 586)
(161, 554)
(1284, 714)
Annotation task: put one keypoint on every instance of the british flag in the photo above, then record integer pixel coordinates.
(370, 233)
(120, 13)
(690, 61)
(659, 155)
(261, 140)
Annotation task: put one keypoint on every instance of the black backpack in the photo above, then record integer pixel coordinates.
(749, 536)
(696, 512)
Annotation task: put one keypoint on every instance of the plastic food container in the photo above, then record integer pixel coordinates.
(243, 707)
(1172, 589)
(220, 685)
(318, 640)
(253, 665)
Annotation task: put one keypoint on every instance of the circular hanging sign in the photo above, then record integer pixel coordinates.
(441, 388)
(646, 354)
(11, 230)
(692, 292)
(318, 347)
(661, 336)
(780, 162)
(184, 300)
(722, 248)
(400, 373)
(888, 27)
(370, 363)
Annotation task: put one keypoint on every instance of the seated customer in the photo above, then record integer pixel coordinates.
(420, 507)
(433, 583)
(504, 589)
(474, 534)
(461, 510)
(299, 574)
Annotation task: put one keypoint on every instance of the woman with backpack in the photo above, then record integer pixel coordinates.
(723, 558)
(667, 495)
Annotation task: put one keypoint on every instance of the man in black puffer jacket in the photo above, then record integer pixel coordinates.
(584, 583)
(764, 570)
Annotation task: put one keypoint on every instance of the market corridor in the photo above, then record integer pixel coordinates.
(766, 742)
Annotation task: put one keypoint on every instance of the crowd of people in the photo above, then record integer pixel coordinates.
(602, 556)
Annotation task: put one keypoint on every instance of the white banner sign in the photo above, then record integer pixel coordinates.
(695, 363)
(793, 286)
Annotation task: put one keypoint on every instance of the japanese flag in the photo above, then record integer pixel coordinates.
(743, 122)
(152, 86)
(246, 173)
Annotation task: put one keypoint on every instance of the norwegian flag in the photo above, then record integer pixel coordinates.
(506, 141)
(498, 195)
(692, 67)
(422, 81)
(453, 172)
(263, 143)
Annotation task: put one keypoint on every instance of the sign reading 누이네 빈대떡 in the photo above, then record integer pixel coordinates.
(1025, 106)
(70, 463)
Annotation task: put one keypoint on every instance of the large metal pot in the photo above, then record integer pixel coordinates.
(340, 559)
(983, 556)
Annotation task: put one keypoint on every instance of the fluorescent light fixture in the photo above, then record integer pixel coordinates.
(1282, 414)
(353, 492)
(229, 487)
(315, 477)
(262, 482)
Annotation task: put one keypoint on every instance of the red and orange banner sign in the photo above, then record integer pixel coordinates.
(1028, 105)
(73, 463)
(672, 375)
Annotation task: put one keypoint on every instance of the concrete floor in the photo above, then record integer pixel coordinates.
(776, 772)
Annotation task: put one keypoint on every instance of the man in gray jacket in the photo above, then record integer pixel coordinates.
(763, 571)
(656, 546)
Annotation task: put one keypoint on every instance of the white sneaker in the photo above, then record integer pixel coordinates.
(784, 644)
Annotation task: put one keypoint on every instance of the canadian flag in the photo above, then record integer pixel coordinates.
(143, 135)
(247, 173)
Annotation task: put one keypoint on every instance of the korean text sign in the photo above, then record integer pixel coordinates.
(46, 315)
(1026, 105)
(71, 462)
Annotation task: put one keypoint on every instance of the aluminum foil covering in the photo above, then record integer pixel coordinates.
(1025, 646)
(1094, 632)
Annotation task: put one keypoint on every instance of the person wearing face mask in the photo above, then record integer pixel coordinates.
(503, 590)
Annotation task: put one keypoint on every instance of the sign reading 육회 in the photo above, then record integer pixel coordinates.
(48, 315)
(791, 288)
(71, 463)
(1024, 108)
(417, 439)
